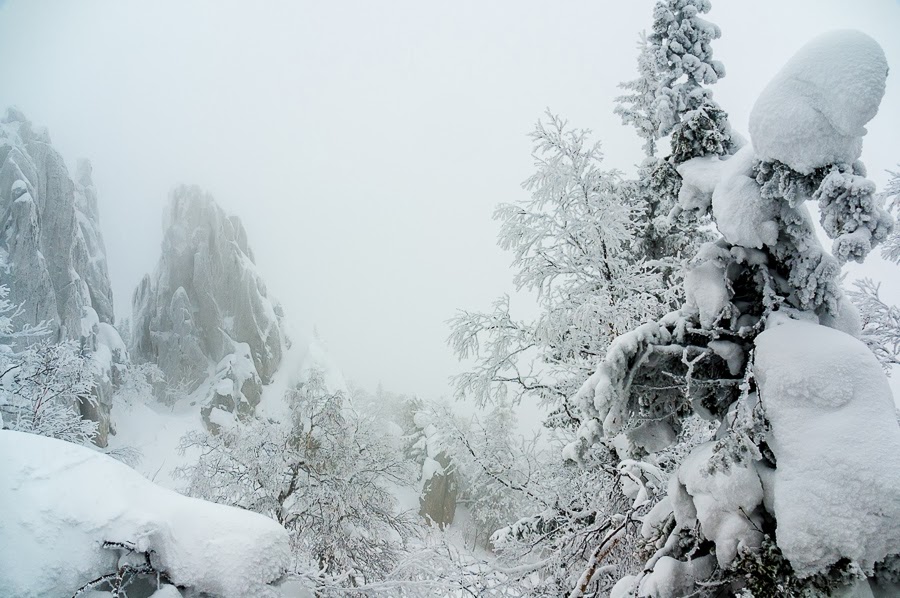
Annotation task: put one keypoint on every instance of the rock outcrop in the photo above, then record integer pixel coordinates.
(204, 316)
(54, 252)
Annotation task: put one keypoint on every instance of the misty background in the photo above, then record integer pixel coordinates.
(365, 145)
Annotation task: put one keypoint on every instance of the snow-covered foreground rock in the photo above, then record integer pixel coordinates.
(62, 502)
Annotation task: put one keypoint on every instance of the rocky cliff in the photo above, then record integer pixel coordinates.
(204, 316)
(54, 252)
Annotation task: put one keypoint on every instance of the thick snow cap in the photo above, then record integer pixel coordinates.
(835, 438)
(62, 501)
(813, 113)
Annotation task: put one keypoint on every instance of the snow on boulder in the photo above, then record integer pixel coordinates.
(62, 502)
(835, 438)
(813, 112)
(699, 177)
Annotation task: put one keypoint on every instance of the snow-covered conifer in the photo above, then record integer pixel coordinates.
(763, 347)
(638, 106)
(681, 41)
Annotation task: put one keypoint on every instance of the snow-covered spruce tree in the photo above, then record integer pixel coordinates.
(670, 97)
(684, 108)
(323, 474)
(785, 499)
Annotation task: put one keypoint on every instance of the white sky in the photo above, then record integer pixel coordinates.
(364, 145)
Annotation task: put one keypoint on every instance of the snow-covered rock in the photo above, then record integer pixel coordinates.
(206, 307)
(835, 438)
(62, 502)
(798, 119)
(50, 233)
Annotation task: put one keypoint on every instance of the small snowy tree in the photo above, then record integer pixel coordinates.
(638, 106)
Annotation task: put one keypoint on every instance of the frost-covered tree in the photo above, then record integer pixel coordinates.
(324, 475)
(880, 320)
(891, 248)
(572, 243)
(783, 500)
(495, 468)
(601, 263)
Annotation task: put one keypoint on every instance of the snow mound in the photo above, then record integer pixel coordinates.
(671, 578)
(61, 502)
(723, 503)
(705, 292)
(835, 438)
(813, 112)
(742, 215)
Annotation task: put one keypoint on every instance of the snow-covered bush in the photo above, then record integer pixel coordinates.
(41, 390)
(42, 386)
(323, 474)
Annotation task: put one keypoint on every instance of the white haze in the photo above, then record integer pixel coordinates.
(364, 145)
